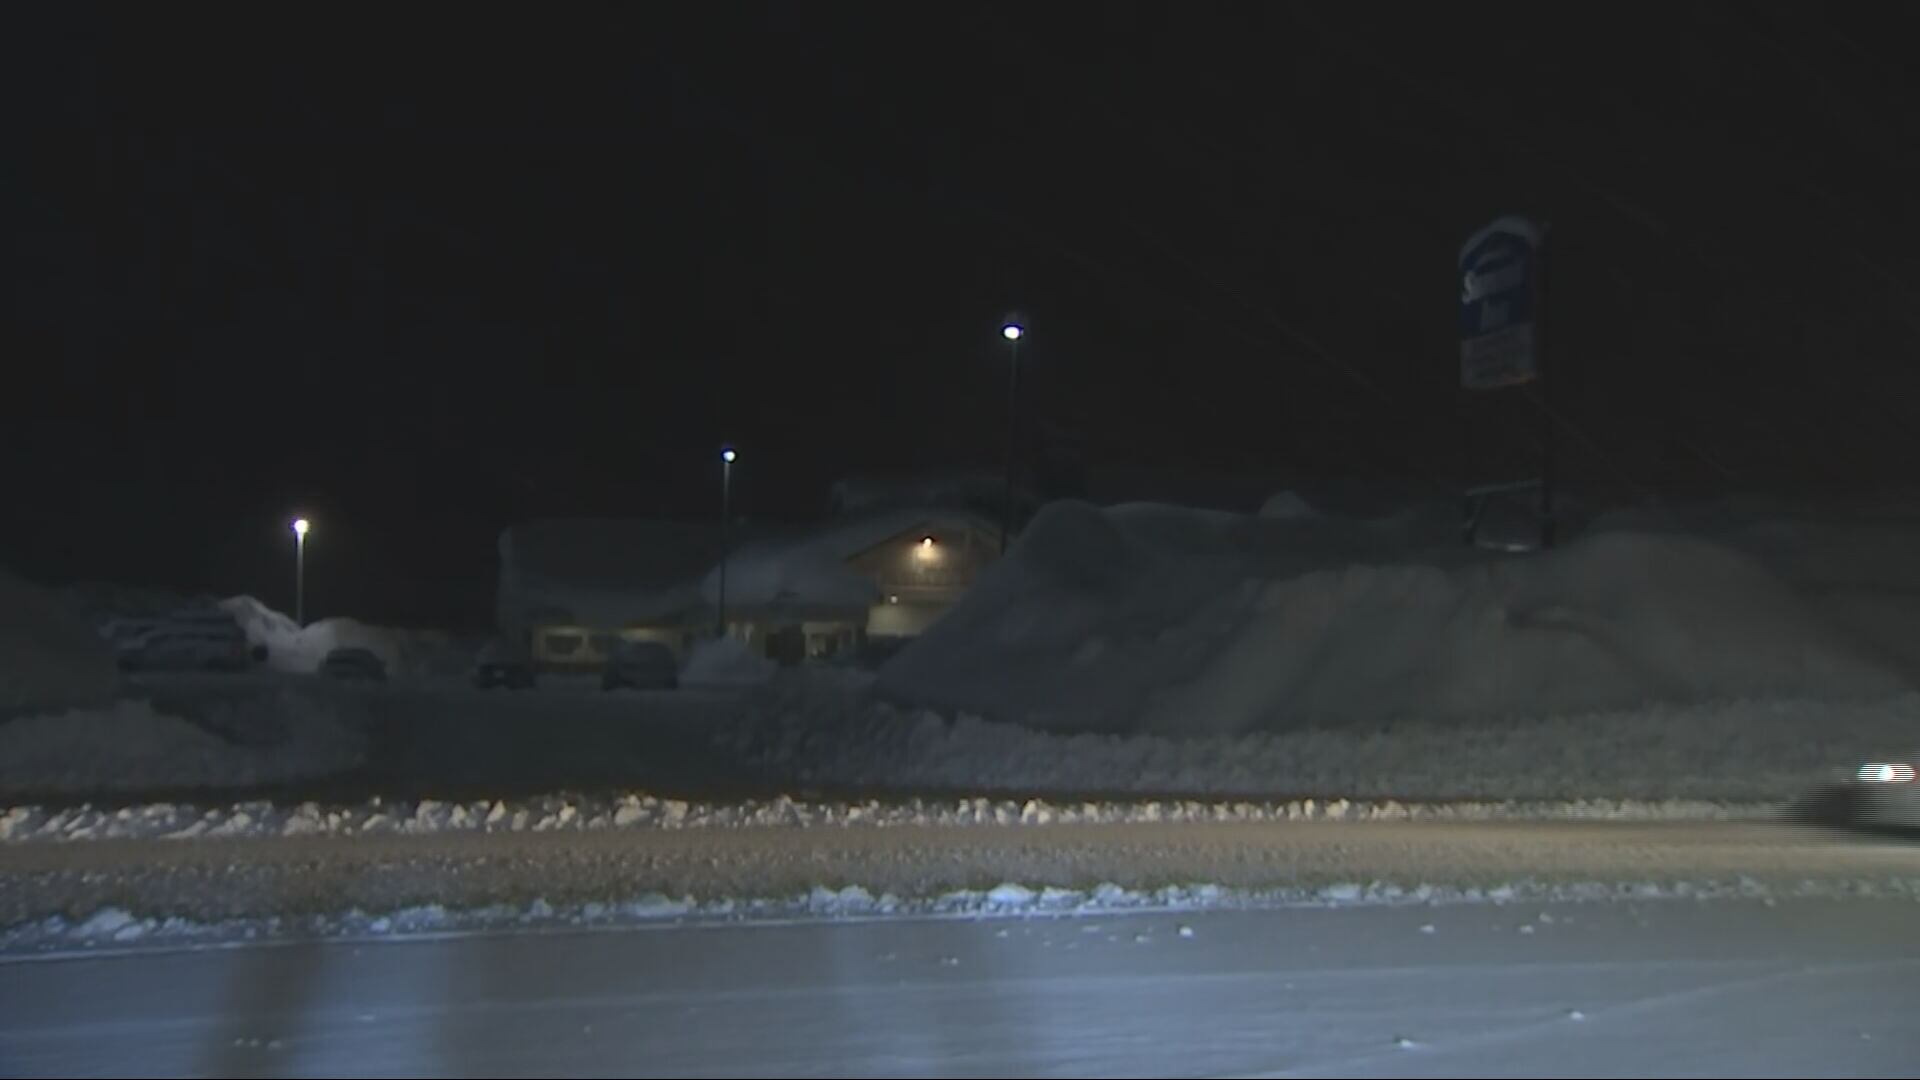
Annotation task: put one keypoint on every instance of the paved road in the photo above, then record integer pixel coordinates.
(1672, 988)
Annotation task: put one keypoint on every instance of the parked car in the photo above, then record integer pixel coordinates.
(640, 665)
(185, 640)
(499, 665)
(353, 662)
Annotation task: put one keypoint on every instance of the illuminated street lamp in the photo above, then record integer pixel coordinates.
(727, 458)
(300, 527)
(1013, 332)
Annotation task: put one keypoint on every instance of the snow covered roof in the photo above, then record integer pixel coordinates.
(612, 572)
(811, 570)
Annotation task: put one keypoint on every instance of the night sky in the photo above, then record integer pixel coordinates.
(420, 279)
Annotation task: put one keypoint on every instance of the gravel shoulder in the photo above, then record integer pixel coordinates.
(215, 879)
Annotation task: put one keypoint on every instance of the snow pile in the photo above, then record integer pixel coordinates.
(50, 658)
(107, 927)
(1156, 619)
(130, 746)
(293, 648)
(1744, 751)
(1287, 505)
(575, 814)
(725, 662)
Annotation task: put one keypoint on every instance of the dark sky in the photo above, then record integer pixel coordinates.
(422, 278)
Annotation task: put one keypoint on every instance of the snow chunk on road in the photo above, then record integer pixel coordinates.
(1009, 895)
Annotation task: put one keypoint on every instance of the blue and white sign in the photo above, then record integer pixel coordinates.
(1498, 282)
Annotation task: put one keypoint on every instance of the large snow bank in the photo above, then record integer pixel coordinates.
(725, 662)
(1729, 751)
(293, 648)
(1148, 618)
(50, 658)
(130, 746)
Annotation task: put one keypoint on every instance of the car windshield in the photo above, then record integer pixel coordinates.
(718, 539)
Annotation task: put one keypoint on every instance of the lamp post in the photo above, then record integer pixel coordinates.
(1013, 332)
(727, 457)
(300, 527)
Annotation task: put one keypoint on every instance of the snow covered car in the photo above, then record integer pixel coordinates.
(1886, 794)
(640, 665)
(190, 640)
(354, 663)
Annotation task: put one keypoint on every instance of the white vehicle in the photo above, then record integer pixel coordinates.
(187, 640)
(1887, 795)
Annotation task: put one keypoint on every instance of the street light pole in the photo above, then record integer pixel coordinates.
(1012, 331)
(300, 527)
(727, 457)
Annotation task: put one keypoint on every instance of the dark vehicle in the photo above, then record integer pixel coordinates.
(640, 665)
(186, 640)
(354, 663)
(510, 673)
(501, 664)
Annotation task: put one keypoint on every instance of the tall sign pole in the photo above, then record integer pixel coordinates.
(1013, 331)
(1502, 271)
(727, 458)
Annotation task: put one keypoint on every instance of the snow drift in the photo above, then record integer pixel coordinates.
(1156, 619)
(50, 658)
(725, 662)
(131, 746)
(1772, 751)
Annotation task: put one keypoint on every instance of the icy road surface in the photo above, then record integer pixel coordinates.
(1667, 988)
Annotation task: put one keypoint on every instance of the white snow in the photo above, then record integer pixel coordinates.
(291, 647)
(1008, 894)
(853, 901)
(131, 746)
(180, 821)
(725, 662)
(50, 658)
(1764, 750)
(1159, 619)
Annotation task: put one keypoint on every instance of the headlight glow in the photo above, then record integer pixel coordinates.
(1880, 772)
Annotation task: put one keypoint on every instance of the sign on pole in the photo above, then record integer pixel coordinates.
(1499, 285)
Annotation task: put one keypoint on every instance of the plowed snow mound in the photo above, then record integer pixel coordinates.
(291, 647)
(1155, 619)
(132, 747)
(49, 657)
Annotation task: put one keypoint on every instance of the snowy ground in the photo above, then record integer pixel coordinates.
(187, 738)
(1529, 988)
(544, 876)
(1766, 751)
(638, 811)
(1165, 620)
(132, 746)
